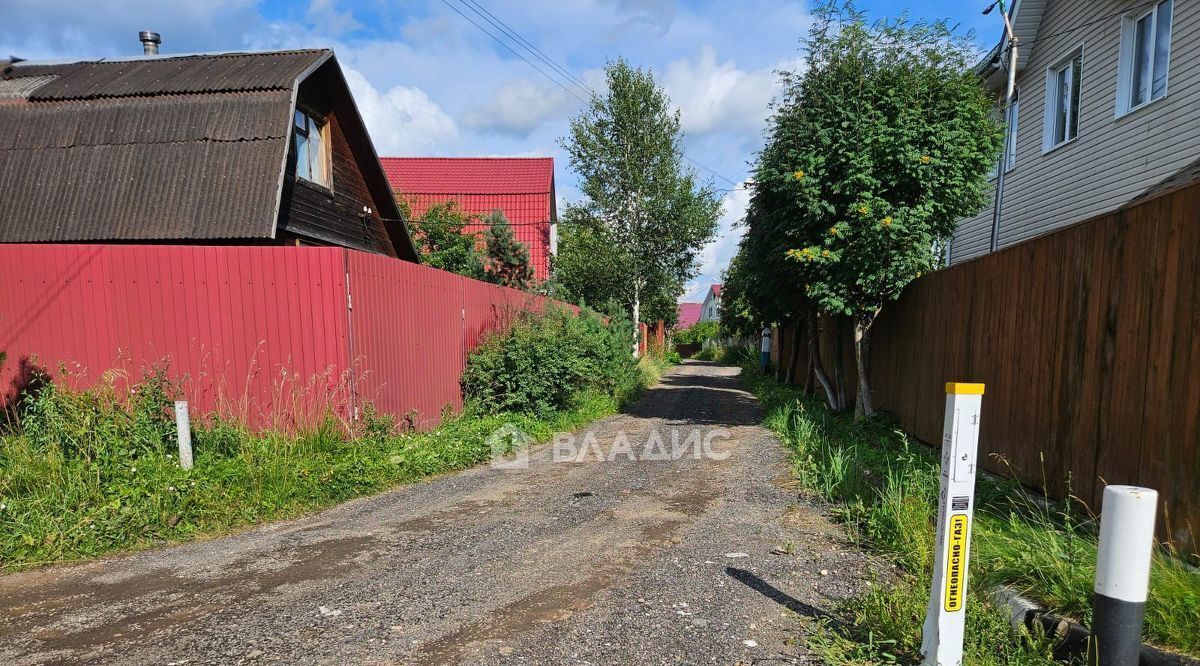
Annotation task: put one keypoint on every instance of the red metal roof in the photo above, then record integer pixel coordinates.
(522, 187)
(689, 313)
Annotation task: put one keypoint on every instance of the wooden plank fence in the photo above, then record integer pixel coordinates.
(1087, 339)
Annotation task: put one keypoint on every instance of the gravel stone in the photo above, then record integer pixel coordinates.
(597, 562)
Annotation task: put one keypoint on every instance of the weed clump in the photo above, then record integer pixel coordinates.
(544, 361)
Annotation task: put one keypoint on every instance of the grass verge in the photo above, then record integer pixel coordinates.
(886, 488)
(89, 473)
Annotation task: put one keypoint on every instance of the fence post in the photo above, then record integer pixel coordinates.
(184, 427)
(945, 617)
(1122, 574)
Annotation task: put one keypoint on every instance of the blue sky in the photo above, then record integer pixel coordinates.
(430, 83)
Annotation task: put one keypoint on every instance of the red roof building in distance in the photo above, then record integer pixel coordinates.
(521, 187)
(689, 314)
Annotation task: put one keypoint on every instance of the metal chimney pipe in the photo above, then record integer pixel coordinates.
(150, 41)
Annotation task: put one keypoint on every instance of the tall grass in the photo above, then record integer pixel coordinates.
(886, 490)
(86, 472)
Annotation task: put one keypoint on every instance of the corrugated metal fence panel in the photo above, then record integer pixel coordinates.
(272, 336)
(259, 333)
(407, 340)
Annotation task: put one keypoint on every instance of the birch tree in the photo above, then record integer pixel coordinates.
(626, 147)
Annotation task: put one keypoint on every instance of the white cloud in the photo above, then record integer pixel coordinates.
(657, 15)
(403, 120)
(518, 108)
(325, 14)
(715, 256)
(717, 96)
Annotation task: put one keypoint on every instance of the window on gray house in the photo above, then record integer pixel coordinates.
(1063, 84)
(1145, 57)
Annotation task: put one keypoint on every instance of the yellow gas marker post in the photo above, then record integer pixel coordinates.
(942, 637)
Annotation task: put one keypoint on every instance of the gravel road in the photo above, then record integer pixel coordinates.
(679, 561)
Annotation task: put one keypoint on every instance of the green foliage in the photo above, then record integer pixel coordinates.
(873, 154)
(697, 333)
(87, 473)
(440, 238)
(544, 361)
(507, 260)
(887, 490)
(644, 217)
(876, 152)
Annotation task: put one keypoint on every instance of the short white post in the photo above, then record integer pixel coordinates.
(184, 428)
(945, 618)
(1122, 574)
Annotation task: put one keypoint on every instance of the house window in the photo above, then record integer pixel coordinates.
(1062, 101)
(312, 149)
(1145, 57)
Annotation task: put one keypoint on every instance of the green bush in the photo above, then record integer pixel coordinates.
(697, 333)
(545, 360)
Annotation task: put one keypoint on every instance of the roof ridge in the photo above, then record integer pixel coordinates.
(110, 60)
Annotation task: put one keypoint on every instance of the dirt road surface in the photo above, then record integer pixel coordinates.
(679, 561)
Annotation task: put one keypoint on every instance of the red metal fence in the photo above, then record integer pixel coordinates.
(271, 335)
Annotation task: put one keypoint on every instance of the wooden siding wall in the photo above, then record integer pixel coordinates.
(1113, 159)
(1087, 341)
(318, 215)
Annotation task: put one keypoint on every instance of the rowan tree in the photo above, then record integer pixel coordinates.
(877, 149)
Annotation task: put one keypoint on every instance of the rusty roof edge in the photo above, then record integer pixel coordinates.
(287, 145)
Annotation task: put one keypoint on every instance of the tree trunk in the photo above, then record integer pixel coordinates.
(637, 320)
(832, 396)
(791, 374)
(839, 364)
(864, 406)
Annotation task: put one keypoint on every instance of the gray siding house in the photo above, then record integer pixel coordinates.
(1108, 105)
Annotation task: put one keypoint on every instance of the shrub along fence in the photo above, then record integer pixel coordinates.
(1087, 341)
(274, 336)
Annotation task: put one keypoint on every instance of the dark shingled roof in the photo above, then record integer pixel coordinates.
(166, 148)
(227, 72)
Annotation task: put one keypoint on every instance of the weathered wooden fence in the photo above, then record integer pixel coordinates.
(270, 335)
(1088, 340)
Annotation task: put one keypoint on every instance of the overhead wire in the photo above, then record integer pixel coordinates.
(513, 51)
(537, 53)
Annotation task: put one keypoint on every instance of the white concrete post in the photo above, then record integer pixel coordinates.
(1122, 574)
(945, 618)
(184, 427)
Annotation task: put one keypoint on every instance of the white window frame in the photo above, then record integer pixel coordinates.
(1052, 98)
(318, 170)
(1129, 23)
